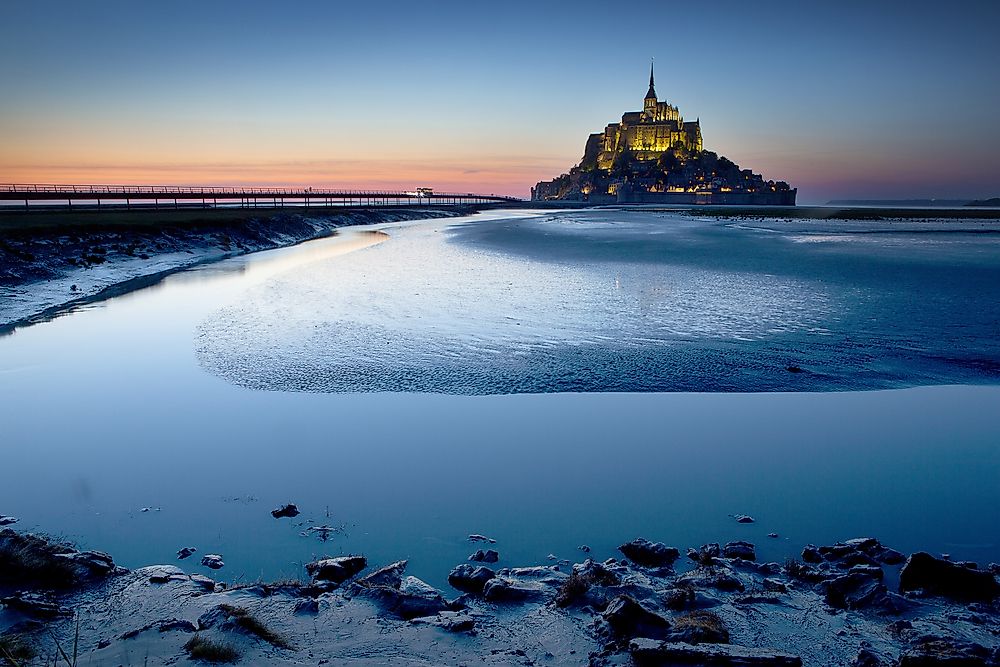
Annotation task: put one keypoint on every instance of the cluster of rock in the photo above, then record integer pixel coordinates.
(834, 606)
(38, 569)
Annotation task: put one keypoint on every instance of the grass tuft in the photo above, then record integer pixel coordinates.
(29, 558)
(706, 626)
(208, 650)
(247, 622)
(572, 588)
(576, 585)
(14, 651)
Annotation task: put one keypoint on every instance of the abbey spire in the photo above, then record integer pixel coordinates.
(652, 91)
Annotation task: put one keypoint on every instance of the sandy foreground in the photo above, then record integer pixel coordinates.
(837, 605)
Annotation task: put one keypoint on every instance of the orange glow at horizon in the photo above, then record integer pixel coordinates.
(502, 177)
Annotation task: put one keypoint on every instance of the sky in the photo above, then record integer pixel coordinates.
(847, 99)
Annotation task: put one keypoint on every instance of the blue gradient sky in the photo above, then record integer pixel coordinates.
(845, 99)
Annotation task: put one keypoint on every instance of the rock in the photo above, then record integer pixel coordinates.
(96, 564)
(35, 605)
(475, 537)
(596, 574)
(7, 520)
(858, 551)
(470, 578)
(934, 651)
(810, 554)
(705, 554)
(584, 548)
(678, 599)
(628, 619)
(505, 589)
(845, 556)
(450, 621)
(550, 574)
(588, 580)
(774, 585)
(712, 577)
(743, 518)
(336, 570)
(854, 591)
(203, 582)
(739, 549)
(888, 556)
(213, 561)
(866, 658)
(306, 606)
(391, 575)
(773, 536)
(488, 556)
(285, 511)
(185, 552)
(649, 554)
(771, 568)
(40, 562)
(937, 576)
(649, 652)
(413, 599)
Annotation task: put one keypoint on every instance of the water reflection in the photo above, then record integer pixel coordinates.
(108, 411)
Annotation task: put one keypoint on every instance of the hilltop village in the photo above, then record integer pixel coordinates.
(655, 156)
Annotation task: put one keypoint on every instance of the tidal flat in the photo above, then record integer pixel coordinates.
(550, 380)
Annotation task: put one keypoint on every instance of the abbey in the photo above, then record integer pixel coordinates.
(646, 134)
(655, 156)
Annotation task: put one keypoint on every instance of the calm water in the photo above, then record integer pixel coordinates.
(378, 379)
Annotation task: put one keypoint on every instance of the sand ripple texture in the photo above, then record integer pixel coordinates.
(578, 302)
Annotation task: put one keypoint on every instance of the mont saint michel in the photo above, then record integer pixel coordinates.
(655, 156)
(295, 372)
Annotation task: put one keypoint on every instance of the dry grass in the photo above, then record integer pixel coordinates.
(576, 585)
(29, 558)
(208, 650)
(14, 651)
(571, 589)
(705, 626)
(247, 622)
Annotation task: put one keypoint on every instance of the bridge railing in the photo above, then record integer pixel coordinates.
(223, 191)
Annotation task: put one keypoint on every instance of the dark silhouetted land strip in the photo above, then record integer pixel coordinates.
(835, 213)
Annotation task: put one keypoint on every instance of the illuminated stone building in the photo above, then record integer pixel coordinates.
(655, 156)
(646, 134)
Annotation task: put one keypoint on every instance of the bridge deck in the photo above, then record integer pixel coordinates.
(250, 197)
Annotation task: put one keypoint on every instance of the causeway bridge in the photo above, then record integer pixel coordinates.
(38, 197)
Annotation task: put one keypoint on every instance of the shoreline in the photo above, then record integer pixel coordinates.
(54, 263)
(857, 602)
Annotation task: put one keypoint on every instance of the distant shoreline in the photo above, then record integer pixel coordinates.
(831, 212)
(55, 262)
(52, 262)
